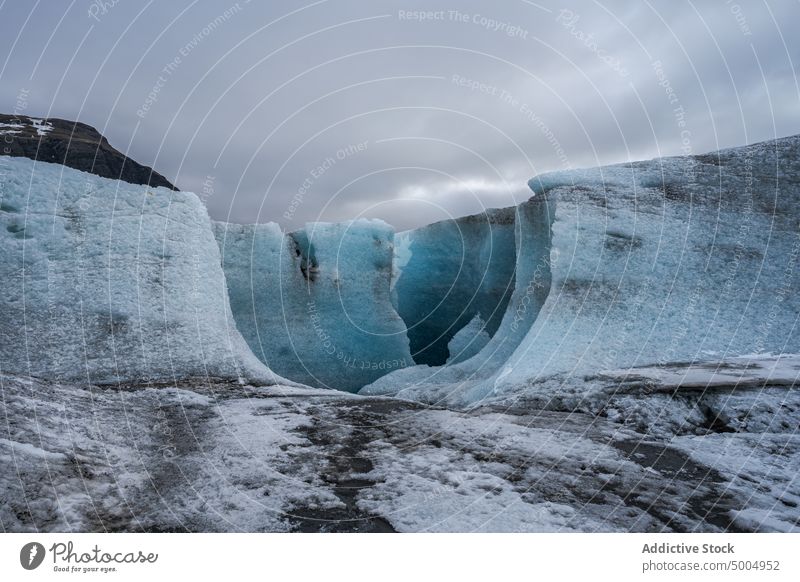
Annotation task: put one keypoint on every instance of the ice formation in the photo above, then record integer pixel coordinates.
(315, 304)
(468, 341)
(686, 259)
(675, 259)
(619, 323)
(451, 271)
(103, 281)
(444, 383)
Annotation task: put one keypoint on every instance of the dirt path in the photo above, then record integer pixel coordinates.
(344, 435)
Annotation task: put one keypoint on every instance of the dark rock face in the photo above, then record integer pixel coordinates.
(72, 144)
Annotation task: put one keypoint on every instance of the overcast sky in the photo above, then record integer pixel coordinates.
(330, 110)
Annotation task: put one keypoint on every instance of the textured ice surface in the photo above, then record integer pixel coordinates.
(315, 304)
(675, 259)
(769, 460)
(464, 381)
(450, 271)
(753, 393)
(468, 341)
(668, 260)
(104, 281)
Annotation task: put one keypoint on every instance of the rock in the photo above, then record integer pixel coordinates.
(75, 145)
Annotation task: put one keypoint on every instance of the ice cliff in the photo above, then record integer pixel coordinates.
(340, 305)
(102, 281)
(315, 304)
(600, 274)
(674, 259)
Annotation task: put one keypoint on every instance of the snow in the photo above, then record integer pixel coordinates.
(315, 305)
(10, 128)
(209, 458)
(752, 370)
(41, 126)
(104, 281)
(220, 456)
(761, 468)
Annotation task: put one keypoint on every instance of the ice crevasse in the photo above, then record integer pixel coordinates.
(341, 305)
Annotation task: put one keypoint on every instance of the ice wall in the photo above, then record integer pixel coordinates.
(669, 260)
(315, 304)
(459, 381)
(103, 281)
(448, 273)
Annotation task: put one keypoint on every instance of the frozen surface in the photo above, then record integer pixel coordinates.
(448, 273)
(747, 394)
(466, 381)
(103, 281)
(315, 304)
(768, 461)
(226, 457)
(642, 375)
(688, 259)
(82, 458)
(468, 341)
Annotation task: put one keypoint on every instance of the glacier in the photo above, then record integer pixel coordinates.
(614, 354)
(690, 258)
(439, 384)
(107, 282)
(684, 259)
(315, 304)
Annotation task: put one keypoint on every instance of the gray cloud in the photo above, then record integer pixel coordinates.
(454, 113)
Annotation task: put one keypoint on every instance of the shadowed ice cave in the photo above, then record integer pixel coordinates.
(340, 305)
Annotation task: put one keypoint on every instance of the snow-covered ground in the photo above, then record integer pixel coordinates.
(224, 457)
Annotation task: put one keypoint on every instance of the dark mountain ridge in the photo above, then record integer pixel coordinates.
(72, 144)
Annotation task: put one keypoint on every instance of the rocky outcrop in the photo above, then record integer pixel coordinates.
(75, 145)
